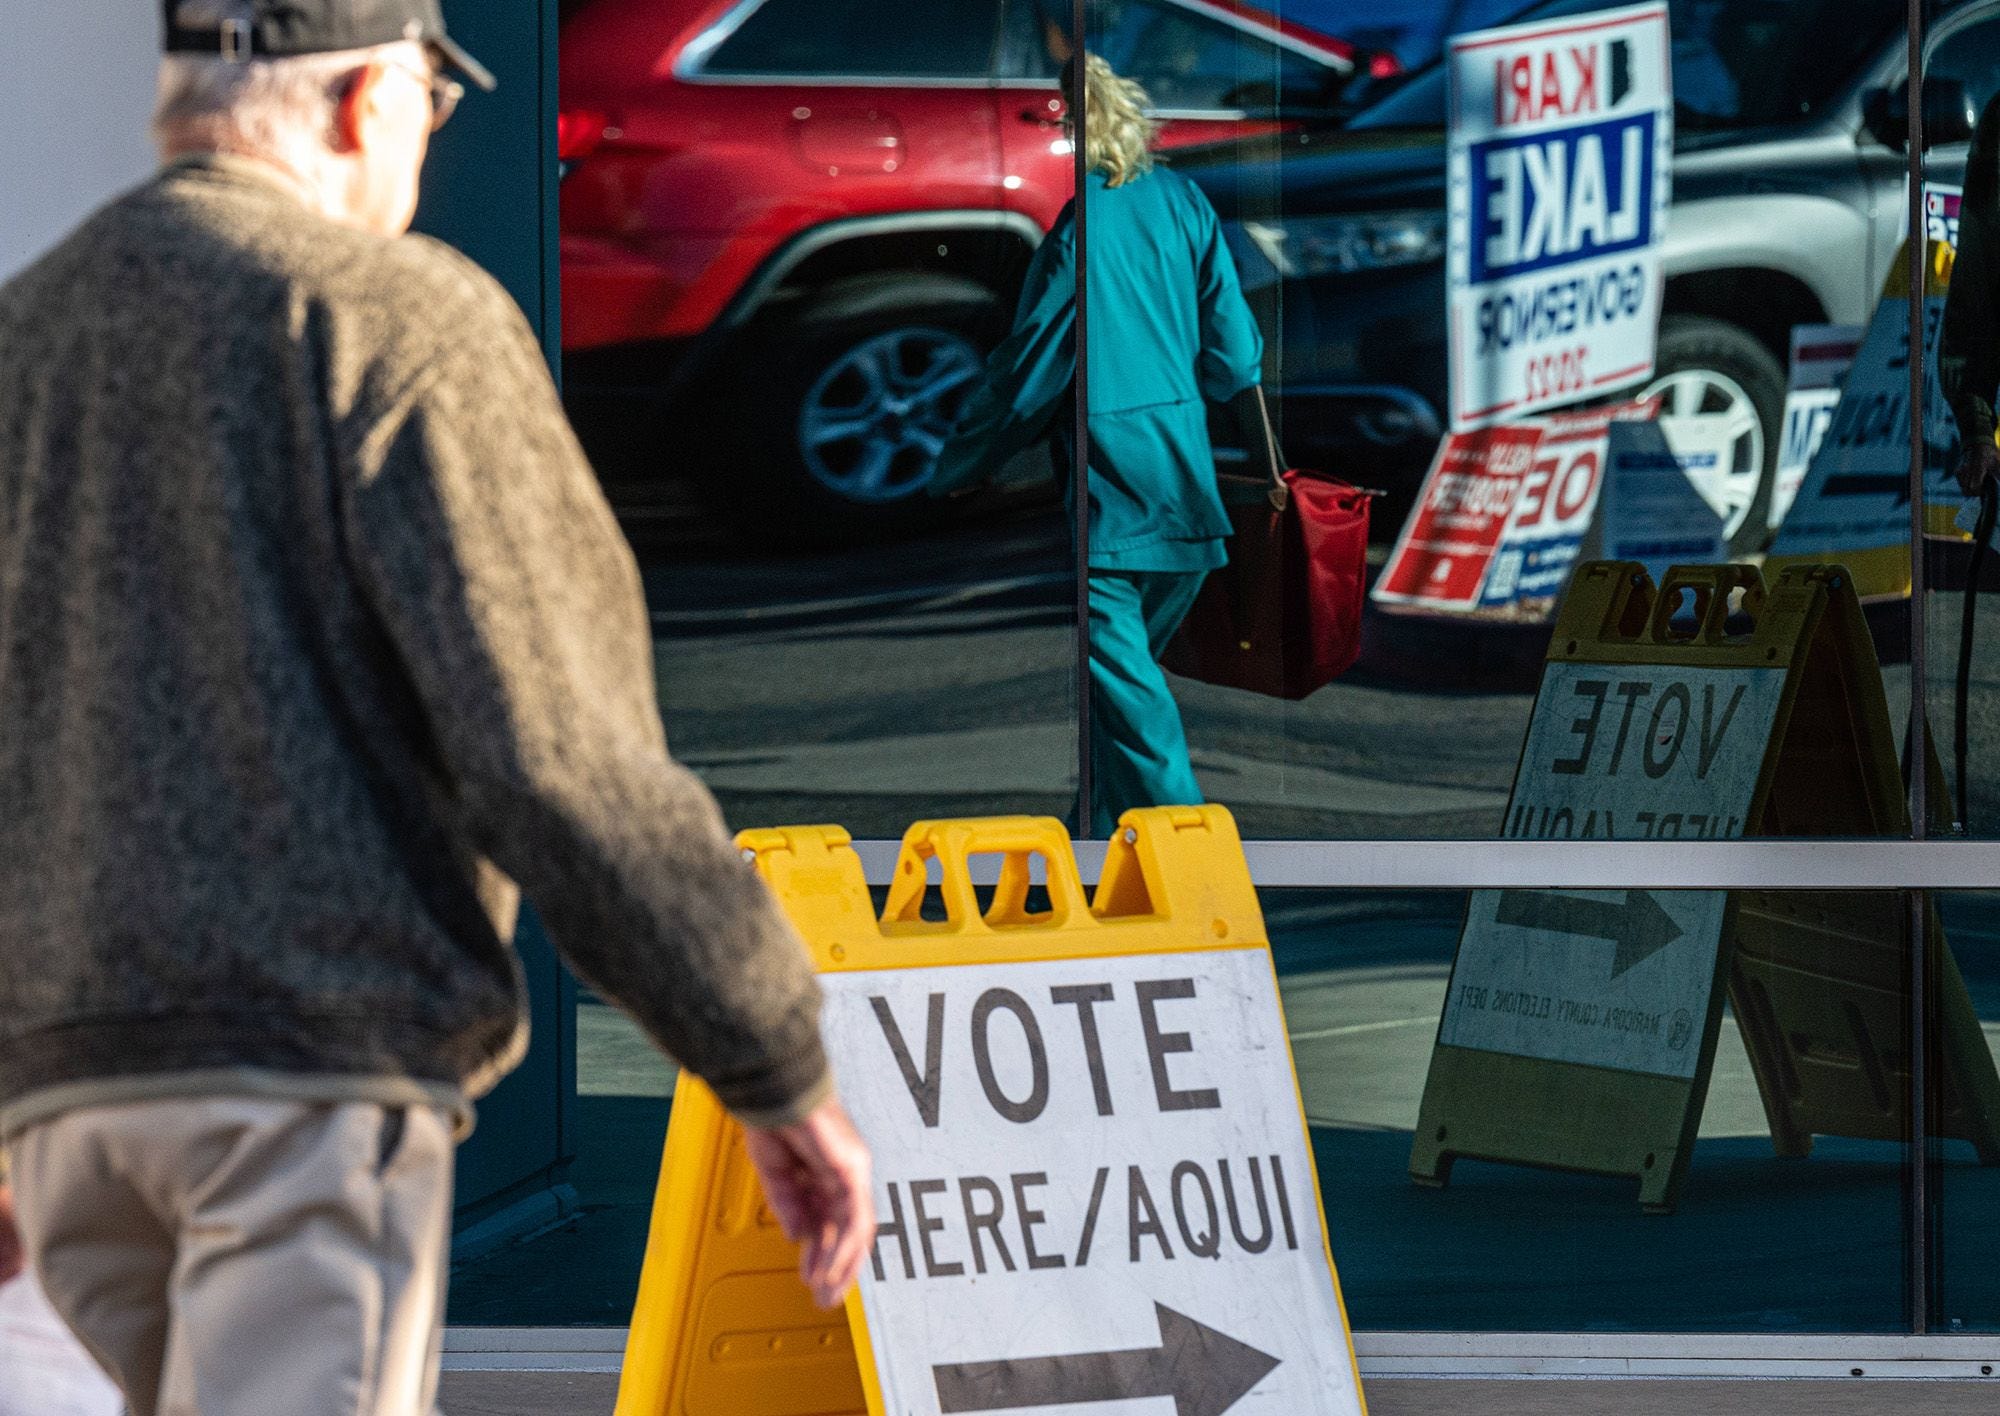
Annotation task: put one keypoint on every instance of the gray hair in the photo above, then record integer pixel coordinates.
(282, 109)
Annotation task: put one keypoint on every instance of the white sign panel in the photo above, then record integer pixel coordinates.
(1094, 1190)
(1821, 357)
(1560, 174)
(1618, 979)
(1652, 512)
(1856, 491)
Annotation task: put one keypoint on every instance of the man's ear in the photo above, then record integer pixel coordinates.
(357, 99)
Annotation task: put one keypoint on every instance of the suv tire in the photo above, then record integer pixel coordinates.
(846, 397)
(1711, 368)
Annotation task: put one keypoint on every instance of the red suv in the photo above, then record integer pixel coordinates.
(791, 228)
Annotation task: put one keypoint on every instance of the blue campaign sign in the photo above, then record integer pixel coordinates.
(1560, 168)
(1552, 199)
(1854, 503)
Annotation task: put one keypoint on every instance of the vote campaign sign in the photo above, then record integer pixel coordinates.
(1854, 503)
(1560, 174)
(1618, 979)
(1503, 516)
(1580, 1026)
(1941, 208)
(1446, 548)
(1553, 510)
(1091, 1168)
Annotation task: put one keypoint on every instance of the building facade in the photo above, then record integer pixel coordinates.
(1717, 870)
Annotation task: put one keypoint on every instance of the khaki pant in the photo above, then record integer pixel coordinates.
(247, 1258)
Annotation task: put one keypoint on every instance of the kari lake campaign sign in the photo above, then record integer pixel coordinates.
(1561, 155)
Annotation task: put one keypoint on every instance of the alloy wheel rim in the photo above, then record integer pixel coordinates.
(873, 423)
(1705, 413)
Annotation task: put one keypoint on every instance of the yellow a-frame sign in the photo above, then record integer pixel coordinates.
(1580, 1028)
(1092, 1166)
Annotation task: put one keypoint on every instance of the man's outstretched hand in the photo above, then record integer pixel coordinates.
(13, 1254)
(818, 1177)
(1979, 464)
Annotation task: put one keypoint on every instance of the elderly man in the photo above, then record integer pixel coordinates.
(315, 636)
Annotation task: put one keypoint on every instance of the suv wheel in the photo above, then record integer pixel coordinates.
(869, 377)
(872, 425)
(1723, 397)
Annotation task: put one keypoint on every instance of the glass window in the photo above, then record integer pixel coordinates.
(1191, 62)
(765, 385)
(1026, 29)
(830, 654)
(1970, 55)
(1414, 31)
(928, 39)
(1337, 288)
(1758, 1241)
(768, 342)
(1737, 63)
(1969, 1292)
(1962, 200)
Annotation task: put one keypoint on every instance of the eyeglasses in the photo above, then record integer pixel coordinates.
(446, 92)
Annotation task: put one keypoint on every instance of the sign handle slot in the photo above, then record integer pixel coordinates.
(1019, 842)
(1712, 589)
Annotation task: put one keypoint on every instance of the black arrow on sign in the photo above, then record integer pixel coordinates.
(1204, 1372)
(1640, 927)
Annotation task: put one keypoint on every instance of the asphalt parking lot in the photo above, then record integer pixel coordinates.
(876, 685)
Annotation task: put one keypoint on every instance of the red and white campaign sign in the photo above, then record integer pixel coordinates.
(1503, 514)
(1448, 543)
(1560, 158)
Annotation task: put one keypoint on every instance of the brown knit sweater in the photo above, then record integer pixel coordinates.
(315, 635)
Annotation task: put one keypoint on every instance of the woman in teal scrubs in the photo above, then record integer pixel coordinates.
(1168, 333)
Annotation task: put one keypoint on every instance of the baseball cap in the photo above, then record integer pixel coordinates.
(286, 29)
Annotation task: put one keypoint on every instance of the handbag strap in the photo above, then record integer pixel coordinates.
(1253, 413)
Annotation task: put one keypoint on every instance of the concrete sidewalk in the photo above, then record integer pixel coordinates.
(571, 1394)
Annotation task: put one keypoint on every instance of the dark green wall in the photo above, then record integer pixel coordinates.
(490, 189)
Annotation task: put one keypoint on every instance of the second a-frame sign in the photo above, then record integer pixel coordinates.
(1581, 1026)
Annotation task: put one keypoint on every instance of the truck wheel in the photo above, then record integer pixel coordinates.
(1723, 399)
(846, 402)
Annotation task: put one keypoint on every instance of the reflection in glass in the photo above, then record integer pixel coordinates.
(1969, 1252)
(1169, 331)
(1338, 224)
(792, 231)
(1760, 1241)
(1961, 79)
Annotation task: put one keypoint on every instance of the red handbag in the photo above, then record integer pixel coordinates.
(1283, 618)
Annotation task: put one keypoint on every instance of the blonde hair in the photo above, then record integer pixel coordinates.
(1117, 134)
(281, 109)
